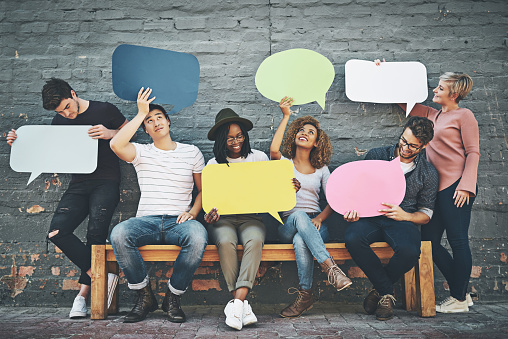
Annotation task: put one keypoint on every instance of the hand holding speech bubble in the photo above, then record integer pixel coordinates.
(249, 187)
(53, 149)
(172, 76)
(388, 83)
(363, 185)
(302, 74)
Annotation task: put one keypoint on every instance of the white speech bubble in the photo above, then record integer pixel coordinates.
(53, 149)
(388, 83)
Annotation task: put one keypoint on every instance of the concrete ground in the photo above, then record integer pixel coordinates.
(325, 320)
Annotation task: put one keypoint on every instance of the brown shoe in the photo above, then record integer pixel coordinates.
(303, 302)
(336, 277)
(385, 307)
(371, 301)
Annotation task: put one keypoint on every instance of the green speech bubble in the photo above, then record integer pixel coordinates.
(300, 73)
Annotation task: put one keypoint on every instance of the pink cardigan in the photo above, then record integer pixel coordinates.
(455, 148)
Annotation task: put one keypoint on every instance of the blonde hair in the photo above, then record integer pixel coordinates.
(320, 155)
(459, 83)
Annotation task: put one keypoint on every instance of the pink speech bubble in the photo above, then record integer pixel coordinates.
(363, 185)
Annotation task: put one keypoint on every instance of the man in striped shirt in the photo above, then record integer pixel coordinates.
(167, 172)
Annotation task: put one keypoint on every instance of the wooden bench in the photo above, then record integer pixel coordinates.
(417, 284)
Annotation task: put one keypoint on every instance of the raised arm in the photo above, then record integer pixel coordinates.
(284, 106)
(120, 144)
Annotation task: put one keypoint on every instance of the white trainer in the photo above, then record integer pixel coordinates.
(78, 308)
(452, 305)
(112, 282)
(469, 300)
(234, 314)
(249, 317)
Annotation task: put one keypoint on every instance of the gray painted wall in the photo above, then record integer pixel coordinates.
(74, 40)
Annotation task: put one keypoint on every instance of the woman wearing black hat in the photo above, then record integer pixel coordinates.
(232, 145)
(309, 149)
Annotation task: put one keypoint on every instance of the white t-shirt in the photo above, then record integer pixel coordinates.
(251, 157)
(166, 178)
(307, 198)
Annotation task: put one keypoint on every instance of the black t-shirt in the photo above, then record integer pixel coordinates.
(98, 113)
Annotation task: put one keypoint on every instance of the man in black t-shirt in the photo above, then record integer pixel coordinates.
(95, 194)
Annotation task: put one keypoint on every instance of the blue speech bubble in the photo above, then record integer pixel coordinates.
(172, 76)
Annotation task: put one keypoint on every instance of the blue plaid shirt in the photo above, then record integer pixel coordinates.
(421, 183)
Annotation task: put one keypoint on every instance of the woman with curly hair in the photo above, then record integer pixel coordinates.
(309, 149)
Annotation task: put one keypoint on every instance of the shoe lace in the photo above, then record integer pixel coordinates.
(384, 301)
(446, 301)
(335, 274)
(293, 290)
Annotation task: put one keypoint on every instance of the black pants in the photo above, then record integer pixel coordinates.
(95, 198)
(455, 221)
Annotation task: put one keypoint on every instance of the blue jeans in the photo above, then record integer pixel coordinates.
(308, 242)
(455, 221)
(96, 198)
(128, 235)
(402, 236)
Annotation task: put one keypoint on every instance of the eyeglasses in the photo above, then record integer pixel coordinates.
(412, 147)
(238, 138)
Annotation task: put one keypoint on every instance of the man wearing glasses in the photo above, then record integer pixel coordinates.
(398, 224)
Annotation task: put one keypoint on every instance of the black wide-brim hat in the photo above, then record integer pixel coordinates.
(225, 116)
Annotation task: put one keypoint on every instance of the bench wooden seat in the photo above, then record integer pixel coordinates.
(417, 284)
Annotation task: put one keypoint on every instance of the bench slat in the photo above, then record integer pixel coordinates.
(271, 252)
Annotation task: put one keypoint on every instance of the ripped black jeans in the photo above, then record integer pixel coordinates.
(95, 198)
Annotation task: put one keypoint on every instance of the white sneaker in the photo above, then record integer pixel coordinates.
(249, 317)
(78, 308)
(112, 282)
(452, 305)
(469, 300)
(234, 314)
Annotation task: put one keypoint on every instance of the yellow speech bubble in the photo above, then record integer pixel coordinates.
(249, 187)
(300, 73)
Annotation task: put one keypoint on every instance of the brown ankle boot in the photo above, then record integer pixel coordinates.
(146, 303)
(303, 302)
(336, 277)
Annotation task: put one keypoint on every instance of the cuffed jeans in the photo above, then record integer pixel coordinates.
(455, 221)
(250, 230)
(128, 235)
(95, 198)
(308, 243)
(402, 236)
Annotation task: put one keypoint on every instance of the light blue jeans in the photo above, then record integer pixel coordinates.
(308, 242)
(128, 235)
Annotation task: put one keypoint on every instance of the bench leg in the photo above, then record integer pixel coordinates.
(409, 290)
(113, 268)
(424, 274)
(98, 296)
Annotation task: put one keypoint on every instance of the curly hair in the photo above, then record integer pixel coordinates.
(320, 155)
(422, 128)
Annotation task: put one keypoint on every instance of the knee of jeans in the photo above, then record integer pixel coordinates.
(299, 217)
(458, 243)
(119, 235)
(351, 240)
(196, 236)
(408, 251)
(100, 214)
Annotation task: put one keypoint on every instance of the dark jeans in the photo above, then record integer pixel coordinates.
(98, 200)
(402, 236)
(455, 221)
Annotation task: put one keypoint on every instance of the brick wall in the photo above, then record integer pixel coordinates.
(74, 40)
